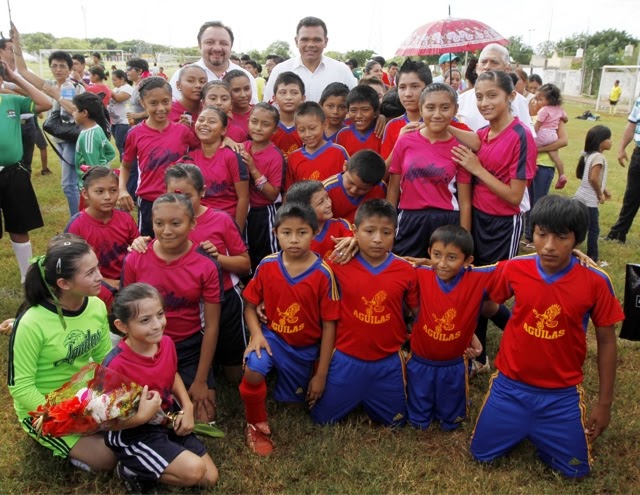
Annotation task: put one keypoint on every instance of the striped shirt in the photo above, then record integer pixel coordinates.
(586, 193)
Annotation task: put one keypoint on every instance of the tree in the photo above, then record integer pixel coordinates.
(103, 43)
(72, 44)
(278, 47)
(546, 48)
(33, 42)
(336, 55)
(360, 55)
(519, 51)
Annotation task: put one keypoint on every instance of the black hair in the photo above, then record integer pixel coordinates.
(267, 108)
(151, 83)
(561, 215)
(391, 107)
(61, 261)
(97, 55)
(454, 235)
(470, 74)
(252, 63)
(286, 78)
(185, 169)
(233, 74)
(552, 94)
(380, 60)
(125, 305)
(334, 89)
(4, 41)
(364, 94)
(79, 57)
(514, 78)
(97, 173)
(244, 57)
(303, 191)
(190, 66)
(376, 208)
(311, 22)
(211, 84)
(370, 64)
(535, 78)
(139, 64)
(368, 165)
(439, 88)
(420, 68)
(595, 137)
(223, 116)
(352, 62)
(297, 210)
(371, 81)
(120, 74)
(174, 198)
(60, 55)
(214, 24)
(311, 108)
(501, 78)
(393, 64)
(276, 58)
(98, 71)
(92, 104)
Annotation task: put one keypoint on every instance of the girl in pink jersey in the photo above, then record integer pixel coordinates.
(225, 173)
(190, 83)
(218, 94)
(241, 95)
(550, 113)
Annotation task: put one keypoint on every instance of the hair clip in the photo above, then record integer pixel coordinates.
(67, 243)
(59, 264)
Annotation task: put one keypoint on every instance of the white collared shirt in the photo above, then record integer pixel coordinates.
(327, 72)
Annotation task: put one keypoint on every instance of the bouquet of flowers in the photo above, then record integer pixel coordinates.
(97, 398)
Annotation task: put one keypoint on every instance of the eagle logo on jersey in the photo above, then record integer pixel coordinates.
(315, 175)
(376, 303)
(78, 343)
(544, 322)
(289, 315)
(444, 323)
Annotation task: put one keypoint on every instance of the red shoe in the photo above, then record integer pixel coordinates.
(562, 181)
(258, 438)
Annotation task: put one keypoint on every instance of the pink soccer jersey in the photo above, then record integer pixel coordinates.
(323, 244)
(185, 284)
(510, 155)
(177, 110)
(353, 141)
(295, 306)
(272, 164)
(108, 240)
(428, 175)
(342, 204)
(235, 133)
(241, 120)
(319, 165)
(545, 341)
(156, 151)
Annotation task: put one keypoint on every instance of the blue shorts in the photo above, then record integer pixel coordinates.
(293, 364)
(495, 238)
(437, 390)
(378, 385)
(554, 420)
(148, 450)
(415, 228)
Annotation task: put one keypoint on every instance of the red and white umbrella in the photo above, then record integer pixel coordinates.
(449, 35)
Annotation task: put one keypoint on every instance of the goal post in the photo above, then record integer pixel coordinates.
(629, 77)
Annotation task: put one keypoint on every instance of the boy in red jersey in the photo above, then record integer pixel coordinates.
(289, 95)
(367, 366)
(317, 159)
(537, 392)
(301, 301)
(363, 107)
(334, 105)
(360, 181)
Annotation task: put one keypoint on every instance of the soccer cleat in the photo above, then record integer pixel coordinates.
(131, 482)
(478, 368)
(258, 438)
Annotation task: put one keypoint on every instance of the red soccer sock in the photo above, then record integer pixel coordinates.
(254, 396)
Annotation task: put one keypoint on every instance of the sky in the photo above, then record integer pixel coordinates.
(352, 25)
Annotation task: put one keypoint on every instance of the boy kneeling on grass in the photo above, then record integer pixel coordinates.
(537, 391)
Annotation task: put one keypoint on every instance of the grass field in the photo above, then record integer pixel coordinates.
(356, 457)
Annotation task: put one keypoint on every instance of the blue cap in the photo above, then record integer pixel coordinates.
(445, 57)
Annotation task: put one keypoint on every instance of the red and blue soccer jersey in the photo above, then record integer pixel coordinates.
(109, 240)
(185, 284)
(391, 134)
(510, 155)
(272, 164)
(156, 151)
(177, 109)
(371, 324)
(326, 161)
(217, 227)
(545, 341)
(322, 243)
(221, 172)
(428, 175)
(157, 372)
(332, 138)
(449, 311)
(353, 141)
(295, 307)
(235, 133)
(286, 138)
(342, 204)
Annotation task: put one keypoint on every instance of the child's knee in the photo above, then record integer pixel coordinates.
(211, 476)
(253, 377)
(193, 471)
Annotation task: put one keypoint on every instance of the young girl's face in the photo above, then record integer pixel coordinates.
(117, 82)
(219, 97)
(102, 194)
(493, 102)
(148, 326)
(157, 103)
(261, 125)
(438, 110)
(533, 87)
(453, 80)
(209, 126)
(172, 225)
(240, 93)
(380, 90)
(185, 186)
(191, 82)
(376, 71)
(606, 145)
(541, 99)
(321, 204)
(87, 279)
(409, 88)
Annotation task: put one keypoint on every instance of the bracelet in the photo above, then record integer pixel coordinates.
(260, 182)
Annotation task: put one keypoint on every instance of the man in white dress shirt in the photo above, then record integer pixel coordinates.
(215, 41)
(316, 70)
(492, 57)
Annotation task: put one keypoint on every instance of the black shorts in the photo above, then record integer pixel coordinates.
(495, 238)
(18, 201)
(415, 228)
(188, 351)
(145, 223)
(613, 103)
(232, 339)
(262, 240)
(147, 450)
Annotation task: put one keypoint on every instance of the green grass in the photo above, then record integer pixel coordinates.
(356, 457)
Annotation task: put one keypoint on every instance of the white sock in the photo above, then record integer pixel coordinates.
(23, 253)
